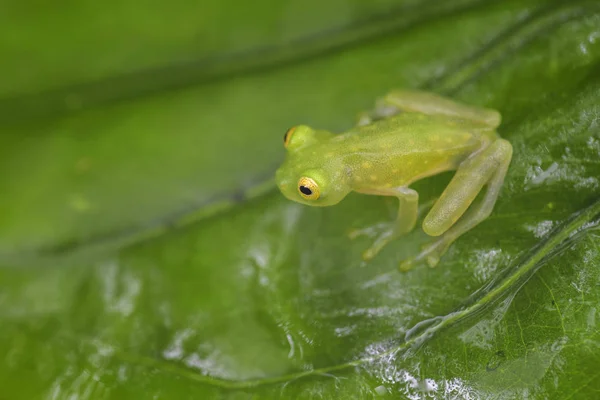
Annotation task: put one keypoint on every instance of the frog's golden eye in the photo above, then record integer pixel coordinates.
(308, 188)
(288, 136)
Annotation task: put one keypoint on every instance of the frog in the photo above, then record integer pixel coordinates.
(409, 135)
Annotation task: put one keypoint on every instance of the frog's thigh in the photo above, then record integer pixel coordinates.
(488, 167)
(433, 104)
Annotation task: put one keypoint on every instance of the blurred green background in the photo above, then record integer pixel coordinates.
(146, 254)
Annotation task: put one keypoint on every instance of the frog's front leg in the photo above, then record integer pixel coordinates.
(428, 103)
(385, 232)
(446, 218)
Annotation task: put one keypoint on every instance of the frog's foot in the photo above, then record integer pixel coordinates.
(370, 231)
(383, 233)
(430, 253)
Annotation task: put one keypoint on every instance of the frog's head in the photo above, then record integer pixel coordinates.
(313, 187)
(305, 176)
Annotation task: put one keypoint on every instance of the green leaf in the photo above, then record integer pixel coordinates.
(147, 255)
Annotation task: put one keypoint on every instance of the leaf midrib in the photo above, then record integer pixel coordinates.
(152, 81)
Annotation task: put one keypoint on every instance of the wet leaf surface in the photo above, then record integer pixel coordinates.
(146, 253)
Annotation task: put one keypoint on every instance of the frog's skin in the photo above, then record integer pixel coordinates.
(409, 136)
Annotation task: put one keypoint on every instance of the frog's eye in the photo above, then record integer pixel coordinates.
(308, 188)
(288, 136)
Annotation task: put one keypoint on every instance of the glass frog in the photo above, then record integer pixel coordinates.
(410, 135)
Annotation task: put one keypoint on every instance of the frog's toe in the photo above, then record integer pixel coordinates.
(410, 263)
(368, 254)
(355, 233)
(381, 233)
(430, 254)
(433, 260)
(383, 239)
(372, 251)
(407, 265)
(370, 231)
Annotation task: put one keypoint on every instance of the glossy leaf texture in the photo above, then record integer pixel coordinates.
(146, 254)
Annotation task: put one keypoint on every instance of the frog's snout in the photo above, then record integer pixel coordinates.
(279, 180)
(283, 182)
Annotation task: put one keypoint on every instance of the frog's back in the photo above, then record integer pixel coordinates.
(414, 145)
(414, 132)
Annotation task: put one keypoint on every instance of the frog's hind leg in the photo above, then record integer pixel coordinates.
(446, 218)
(382, 110)
(428, 103)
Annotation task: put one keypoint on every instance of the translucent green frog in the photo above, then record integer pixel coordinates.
(410, 135)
